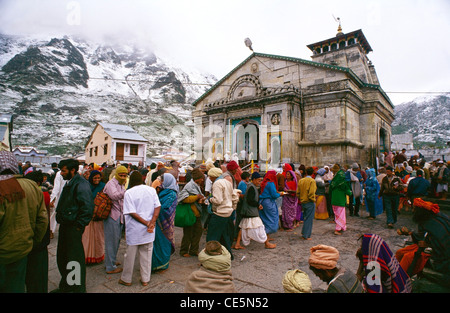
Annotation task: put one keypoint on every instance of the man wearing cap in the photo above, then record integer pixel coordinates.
(232, 168)
(23, 220)
(323, 263)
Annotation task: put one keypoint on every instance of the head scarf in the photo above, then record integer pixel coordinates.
(169, 182)
(323, 257)
(119, 170)
(287, 167)
(10, 188)
(393, 278)
(215, 172)
(92, 174)
(321, 171)
(296, 281)
(292, 184)
(232, 165)
(271, 176)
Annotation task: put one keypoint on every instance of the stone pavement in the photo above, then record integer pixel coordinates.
(255, 269)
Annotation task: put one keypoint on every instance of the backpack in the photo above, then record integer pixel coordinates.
(102, 206)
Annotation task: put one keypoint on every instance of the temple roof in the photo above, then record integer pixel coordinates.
(358, 34)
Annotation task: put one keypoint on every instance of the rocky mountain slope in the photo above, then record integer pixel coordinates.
(427, 118)
(58, 88)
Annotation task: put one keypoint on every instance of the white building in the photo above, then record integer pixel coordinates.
(120, 143)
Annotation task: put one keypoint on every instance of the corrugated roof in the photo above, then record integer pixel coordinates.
(118, 131)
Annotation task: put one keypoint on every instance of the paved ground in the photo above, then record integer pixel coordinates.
(255, 269)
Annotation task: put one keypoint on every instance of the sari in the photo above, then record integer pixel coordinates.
(93, 237)
(321, 212)
(269, 213)
(393, 278)
(164, 244)
(290, 202)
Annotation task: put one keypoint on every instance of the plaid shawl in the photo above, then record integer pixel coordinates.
(393, 278)
(10, 188)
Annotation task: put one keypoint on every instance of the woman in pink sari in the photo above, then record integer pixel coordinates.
(290, 201)
(339, 189)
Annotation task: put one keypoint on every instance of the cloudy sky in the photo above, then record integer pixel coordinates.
(411, 50)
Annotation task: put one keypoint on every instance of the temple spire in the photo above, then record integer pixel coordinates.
(339, 27)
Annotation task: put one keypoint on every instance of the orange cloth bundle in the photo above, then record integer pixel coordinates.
(430, 206)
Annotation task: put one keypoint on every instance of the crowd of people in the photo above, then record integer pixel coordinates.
(233, 207)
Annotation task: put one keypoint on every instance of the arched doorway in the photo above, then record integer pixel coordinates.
(246, 141)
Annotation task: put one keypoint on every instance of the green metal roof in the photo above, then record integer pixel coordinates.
(295, 60)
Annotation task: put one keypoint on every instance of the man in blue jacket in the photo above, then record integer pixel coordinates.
(73, 213)
(418, 187)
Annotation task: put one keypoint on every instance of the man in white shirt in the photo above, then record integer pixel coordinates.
(141, 208)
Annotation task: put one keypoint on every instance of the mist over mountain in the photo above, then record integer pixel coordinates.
(59, 88)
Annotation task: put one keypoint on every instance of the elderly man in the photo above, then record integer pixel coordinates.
(323, 263)
(23, 220)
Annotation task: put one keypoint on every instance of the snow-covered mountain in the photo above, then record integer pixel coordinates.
(58, 88)
(427, 118)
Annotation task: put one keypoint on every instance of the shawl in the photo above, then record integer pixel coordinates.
(169, 182)
(10, 188)
(191, 188)
(271, 176)
(339, 181)
(95, 188)
(207, 281)
(217, 263)
(372, 190)
(372, 185)
(393, 278)
(166, 218)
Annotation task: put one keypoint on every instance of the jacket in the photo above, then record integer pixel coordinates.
(418, 186)
(116, 193)
(75, 205)
(23, 223)
(391, 188)
(222, 198)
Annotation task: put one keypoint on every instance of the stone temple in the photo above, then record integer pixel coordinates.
(275, 109)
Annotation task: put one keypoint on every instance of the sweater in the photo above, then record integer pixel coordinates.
(306, 190)
(222, 198)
